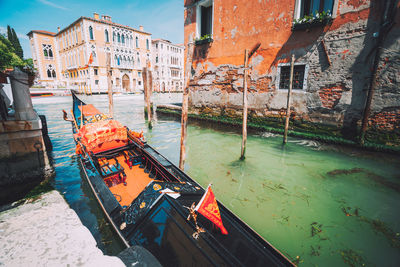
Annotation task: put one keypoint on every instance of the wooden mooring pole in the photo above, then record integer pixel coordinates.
(185, 103)
(288, 100)
(244, 126)
(146, 73)
(247, 56)
(109, 85)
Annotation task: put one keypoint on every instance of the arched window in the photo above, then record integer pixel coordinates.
(91, 33)
(119, 38)
(49, 73)
(53, 73)
(106, 36)
(113, 36)
(130, 42)
(137, 42)
(124, 61)
(147, 44)
(118, 61)
(123, 39)
(45, 53)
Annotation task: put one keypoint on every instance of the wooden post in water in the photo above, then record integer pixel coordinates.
(109, 85)
(247, 56)
(288, 100)
(244, 126)
(185, 102)
(147, 92)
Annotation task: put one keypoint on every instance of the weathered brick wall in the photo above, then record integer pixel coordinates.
(339, 69)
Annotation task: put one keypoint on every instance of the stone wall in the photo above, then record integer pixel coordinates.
(338, 56)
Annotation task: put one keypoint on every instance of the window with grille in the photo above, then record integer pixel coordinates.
(299, 76)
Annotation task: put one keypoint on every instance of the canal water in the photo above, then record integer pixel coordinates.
(320, 205)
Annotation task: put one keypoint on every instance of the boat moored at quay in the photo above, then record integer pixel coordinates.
(153, 204)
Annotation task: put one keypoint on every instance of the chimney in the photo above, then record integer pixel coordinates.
(141, 28)
(58, 29)
(96, 15)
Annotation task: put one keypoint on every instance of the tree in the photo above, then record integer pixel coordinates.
(8, 58)
(13, 38)
(17, 45)
(9, 34)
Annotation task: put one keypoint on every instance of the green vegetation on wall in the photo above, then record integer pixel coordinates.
(376, 140)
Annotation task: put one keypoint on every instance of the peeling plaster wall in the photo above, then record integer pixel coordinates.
(335, 93)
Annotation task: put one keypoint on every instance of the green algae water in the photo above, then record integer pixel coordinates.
(319, 205)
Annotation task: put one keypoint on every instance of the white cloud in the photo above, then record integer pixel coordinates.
(48, 3)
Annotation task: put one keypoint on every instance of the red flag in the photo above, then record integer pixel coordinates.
(90, 59)
(208, 207)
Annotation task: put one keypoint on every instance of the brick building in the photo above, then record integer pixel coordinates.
(334, 43)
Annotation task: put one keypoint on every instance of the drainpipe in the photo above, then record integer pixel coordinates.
(386, 24)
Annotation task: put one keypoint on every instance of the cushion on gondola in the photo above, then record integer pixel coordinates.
(103, 135)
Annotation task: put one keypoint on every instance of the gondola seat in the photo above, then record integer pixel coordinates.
(131, 159)
(113, 174)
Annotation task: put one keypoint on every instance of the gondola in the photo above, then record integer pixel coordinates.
(151, 203)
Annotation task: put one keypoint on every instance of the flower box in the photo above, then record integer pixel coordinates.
(311, 24)
(203, 41)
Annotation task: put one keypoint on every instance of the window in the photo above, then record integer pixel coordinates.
(137, 42)
(156, 59)
(156, 46)
(204, 21)
(91, 33)
(47, 51)
(118, 61)
(139, 73)
(119, 38)
(94, 56)
(312, 7)
(123, 39)
(140, 82)
(113, 36)
(51, 73)
(147, 44)
(106, 36)
(161, 46)
(299, 76)
(95, 71)
(96, 82)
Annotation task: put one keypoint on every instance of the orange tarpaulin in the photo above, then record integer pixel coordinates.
(89, 110)
(103, 135)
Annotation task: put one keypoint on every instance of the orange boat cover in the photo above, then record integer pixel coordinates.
(106, 132)
(89, 110)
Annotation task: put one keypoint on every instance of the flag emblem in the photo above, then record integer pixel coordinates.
(208, 207)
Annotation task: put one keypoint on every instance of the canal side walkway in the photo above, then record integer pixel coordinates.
(45, 231)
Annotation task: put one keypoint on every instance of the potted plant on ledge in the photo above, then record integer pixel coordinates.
(30, 70)
(310, 21)
(203, 39)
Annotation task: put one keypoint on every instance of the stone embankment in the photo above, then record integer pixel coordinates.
(45, 231)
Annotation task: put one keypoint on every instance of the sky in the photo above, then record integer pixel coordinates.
(161, 18)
